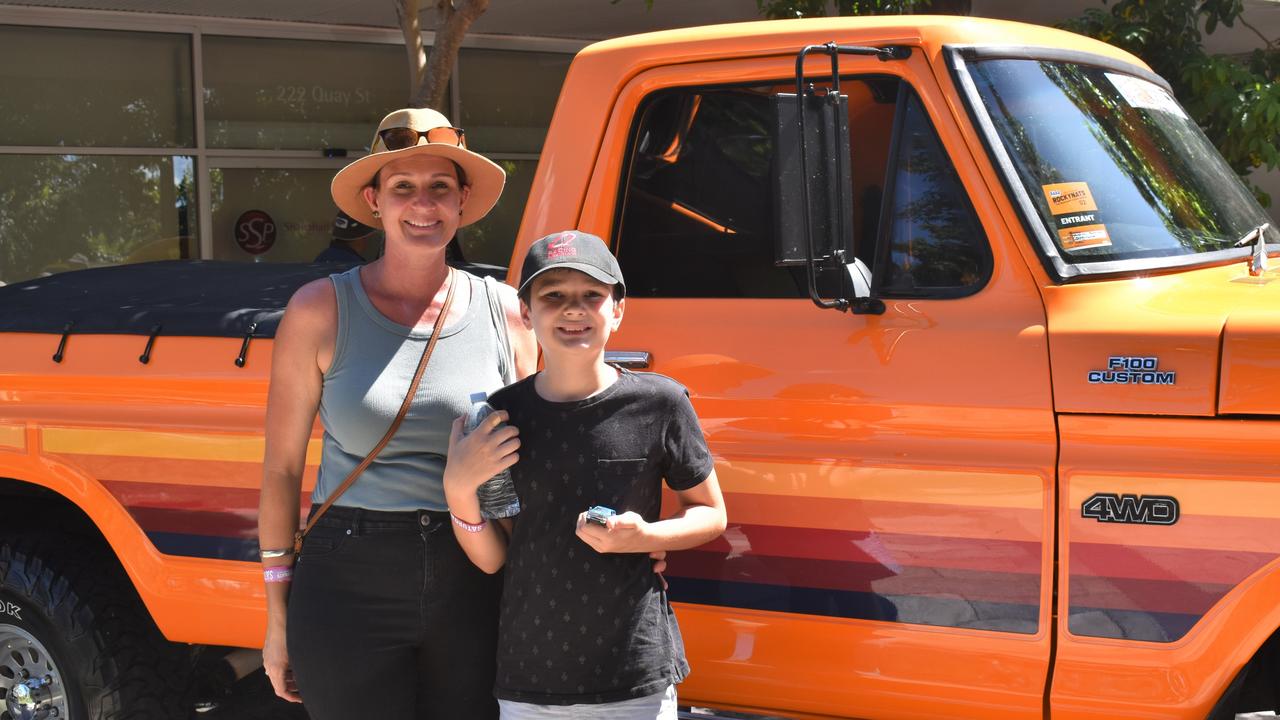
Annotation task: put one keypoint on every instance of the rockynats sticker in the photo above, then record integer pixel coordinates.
(1075, 216)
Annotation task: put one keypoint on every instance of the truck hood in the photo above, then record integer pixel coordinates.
(1203, 342)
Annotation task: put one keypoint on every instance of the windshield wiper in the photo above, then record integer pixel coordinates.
(1257, 263)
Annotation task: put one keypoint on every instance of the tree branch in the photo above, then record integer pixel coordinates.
(411, 27)
(455, 18)
(1255, 30)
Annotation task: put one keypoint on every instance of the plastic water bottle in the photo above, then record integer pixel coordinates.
(497, 495)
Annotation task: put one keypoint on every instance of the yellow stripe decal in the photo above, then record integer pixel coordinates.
(925, 485)
(13, 436)
(172, 445)
(1196, 496)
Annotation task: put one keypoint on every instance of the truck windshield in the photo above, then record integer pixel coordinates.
(1113, 165)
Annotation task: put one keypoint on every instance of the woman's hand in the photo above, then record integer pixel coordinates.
(275, 660)
(625, 533)
(483, 453)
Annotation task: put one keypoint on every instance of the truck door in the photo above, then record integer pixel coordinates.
(888, 477)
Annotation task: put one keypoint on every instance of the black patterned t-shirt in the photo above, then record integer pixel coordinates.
(579, 626)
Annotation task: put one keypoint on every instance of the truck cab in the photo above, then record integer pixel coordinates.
(1023, 482)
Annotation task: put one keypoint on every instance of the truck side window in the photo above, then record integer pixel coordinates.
(697, 211)
(697, 202)
(931, 243)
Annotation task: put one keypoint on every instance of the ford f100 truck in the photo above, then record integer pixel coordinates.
(979, 326)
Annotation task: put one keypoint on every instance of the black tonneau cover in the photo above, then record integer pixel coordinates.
(184, 297)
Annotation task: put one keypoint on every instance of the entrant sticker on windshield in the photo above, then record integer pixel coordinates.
(1076, 216)
(1141, 93)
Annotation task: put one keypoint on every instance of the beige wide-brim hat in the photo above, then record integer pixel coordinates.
(484, 176)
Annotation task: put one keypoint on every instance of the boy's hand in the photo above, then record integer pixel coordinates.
(625, 533)
(483, 453)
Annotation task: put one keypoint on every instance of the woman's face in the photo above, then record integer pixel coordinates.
(419, 200)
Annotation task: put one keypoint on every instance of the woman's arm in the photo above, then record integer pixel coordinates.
(701, 519)
(523, 344)
(483, 453)
(306, 332)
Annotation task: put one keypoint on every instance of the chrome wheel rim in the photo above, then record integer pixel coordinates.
(31, 686)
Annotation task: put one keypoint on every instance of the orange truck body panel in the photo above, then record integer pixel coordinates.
(893, 523)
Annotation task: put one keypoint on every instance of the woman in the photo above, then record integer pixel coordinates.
(383, 615)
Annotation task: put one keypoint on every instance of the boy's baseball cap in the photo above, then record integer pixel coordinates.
(575, 250)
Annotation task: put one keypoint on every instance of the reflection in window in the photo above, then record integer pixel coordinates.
(271, 215)
(698, 207)
(507, 98)
(71, 212)
(94, 88)
(933, 240)
(1119, 155)
(298, 94)
(491, 240)
(697, 219)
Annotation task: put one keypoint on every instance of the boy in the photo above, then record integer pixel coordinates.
(586, 630)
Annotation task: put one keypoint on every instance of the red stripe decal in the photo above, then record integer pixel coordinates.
(1222, 567)
(892, 549)
(1151, 596)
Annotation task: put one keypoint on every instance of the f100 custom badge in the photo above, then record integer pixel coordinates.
(1126, 370)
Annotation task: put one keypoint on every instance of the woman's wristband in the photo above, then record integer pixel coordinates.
(278, 574)
(469, 527)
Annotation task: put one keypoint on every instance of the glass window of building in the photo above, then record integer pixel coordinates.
(508, 98)
(69, 212)
(271, 215)
(94, 88)
(298, 94)
(491, 240)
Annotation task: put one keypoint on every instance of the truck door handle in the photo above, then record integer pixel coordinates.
(632, 359)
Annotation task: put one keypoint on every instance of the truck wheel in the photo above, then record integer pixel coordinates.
(75, 641)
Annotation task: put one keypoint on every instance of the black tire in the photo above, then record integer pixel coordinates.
(80, 619)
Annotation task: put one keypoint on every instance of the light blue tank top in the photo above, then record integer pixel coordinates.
(373, 363)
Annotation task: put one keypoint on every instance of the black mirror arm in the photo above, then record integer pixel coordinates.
(884, 54)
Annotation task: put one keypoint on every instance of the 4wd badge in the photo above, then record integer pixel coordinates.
(1131, 509)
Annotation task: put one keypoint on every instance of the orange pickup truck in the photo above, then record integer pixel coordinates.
(980, 328)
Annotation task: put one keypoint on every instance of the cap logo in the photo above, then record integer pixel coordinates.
(562, 246)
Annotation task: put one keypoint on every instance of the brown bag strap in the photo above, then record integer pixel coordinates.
(395, 424)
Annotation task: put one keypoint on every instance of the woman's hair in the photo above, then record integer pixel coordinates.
(457, 169)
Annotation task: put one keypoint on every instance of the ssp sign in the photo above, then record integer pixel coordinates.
(255, 232)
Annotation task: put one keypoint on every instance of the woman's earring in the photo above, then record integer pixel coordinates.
(377, 214)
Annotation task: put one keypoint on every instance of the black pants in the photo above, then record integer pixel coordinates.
(388, 619)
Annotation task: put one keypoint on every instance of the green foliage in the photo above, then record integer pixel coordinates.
(1236, 100)
(784, 9)
(787, 9)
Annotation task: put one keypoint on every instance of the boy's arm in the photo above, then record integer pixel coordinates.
(472, 460)
(701, 519)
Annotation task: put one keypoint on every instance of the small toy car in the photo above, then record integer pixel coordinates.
(599, 514)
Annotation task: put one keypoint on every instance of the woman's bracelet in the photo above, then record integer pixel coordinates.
(469, 527)
(275, 553)
(278, 574)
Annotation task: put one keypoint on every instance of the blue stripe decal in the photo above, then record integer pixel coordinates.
(913, 609)
(205, 546)
(1129, 624)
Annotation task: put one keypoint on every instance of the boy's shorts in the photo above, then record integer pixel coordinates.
(659, 706)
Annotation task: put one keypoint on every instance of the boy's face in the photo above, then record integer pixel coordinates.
(570, 311)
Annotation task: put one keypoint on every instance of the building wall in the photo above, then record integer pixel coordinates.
(133, 136)
(127, 137)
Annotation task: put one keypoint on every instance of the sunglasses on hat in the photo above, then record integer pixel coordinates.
(399, 138)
